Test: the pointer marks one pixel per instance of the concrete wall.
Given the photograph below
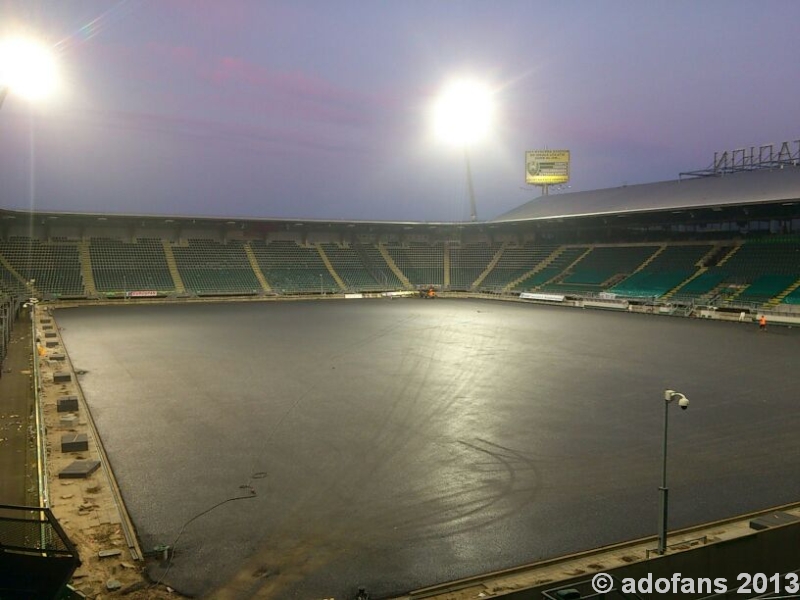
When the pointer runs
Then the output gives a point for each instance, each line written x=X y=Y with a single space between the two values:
x=770 y=551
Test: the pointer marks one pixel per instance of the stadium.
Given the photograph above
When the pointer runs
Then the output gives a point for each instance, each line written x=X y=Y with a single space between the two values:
x=267 y=408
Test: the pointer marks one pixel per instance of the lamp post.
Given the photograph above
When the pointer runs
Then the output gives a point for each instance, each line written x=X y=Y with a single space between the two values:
x=663 y=496
x=473 y=211
x=462 y=116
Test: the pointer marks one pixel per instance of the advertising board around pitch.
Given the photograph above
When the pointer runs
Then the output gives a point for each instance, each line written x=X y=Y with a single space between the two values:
x=546 y=167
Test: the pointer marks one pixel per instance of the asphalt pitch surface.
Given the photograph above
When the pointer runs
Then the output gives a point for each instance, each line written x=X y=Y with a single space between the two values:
x=396 y=444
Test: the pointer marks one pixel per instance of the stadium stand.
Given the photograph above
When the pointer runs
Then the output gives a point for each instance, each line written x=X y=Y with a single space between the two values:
x=753 y=273
x=421 y=263
x=468 y=261
x=793 y=297
x=375 y=263
x=760 y=271
x=697 y=288
x=293 y=269
x=563 y=258
x=515 y=262
x=53 y=266
x=11 y=284
x=604 y=263
x=722 y=240
x=669 y=268
x=350 y=267
x=120 y=266
x=208 y=267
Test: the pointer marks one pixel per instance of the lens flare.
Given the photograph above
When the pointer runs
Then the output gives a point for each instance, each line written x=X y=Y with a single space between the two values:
x=463 y=113
x=27 y=68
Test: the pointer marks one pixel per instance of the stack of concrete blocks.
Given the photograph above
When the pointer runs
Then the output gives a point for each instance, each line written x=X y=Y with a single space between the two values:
x=68 y=406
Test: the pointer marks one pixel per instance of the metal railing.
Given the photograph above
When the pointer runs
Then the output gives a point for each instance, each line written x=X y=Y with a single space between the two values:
x=41 y=433
x=33 y=530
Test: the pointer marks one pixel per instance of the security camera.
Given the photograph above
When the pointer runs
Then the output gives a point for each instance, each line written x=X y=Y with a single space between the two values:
x=683 y=403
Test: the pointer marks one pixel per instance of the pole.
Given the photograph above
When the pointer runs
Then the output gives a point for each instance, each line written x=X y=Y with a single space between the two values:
x=663 y=491
x=473 y=213
x=3 y=94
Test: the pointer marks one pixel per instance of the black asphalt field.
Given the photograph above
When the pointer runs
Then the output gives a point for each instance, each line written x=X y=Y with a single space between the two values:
x=409 y=442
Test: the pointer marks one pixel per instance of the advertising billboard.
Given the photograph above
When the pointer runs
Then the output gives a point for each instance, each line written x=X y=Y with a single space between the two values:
x=545 y=167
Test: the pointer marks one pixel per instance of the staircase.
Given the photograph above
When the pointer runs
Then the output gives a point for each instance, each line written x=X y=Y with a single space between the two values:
x=31 y=289
x=674 y=290
x=779 y=298
x=649 y=260
x=330 y=268
x=568 y=269
x=707 y=260
x=377 y=274
x=86 y=267
x=395 y=269
x=173 y=268
x=728 y=256
x=248 y=250
x=492 y=264
x=554 y=255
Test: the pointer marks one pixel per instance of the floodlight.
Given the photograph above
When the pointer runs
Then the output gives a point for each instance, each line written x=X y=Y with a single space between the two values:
x=463 y=112
x=27 y=68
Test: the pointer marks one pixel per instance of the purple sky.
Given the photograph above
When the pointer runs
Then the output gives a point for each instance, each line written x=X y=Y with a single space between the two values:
x=317 y=109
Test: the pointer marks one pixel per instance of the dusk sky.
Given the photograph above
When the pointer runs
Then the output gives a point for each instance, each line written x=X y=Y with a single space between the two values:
x=319 y=109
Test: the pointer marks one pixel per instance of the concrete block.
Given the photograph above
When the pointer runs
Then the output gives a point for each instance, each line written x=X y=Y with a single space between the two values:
x=79 y=469
x=75 y=442
x=68 y=421
x=67 y=404
x=772 y=520
x=62 y=377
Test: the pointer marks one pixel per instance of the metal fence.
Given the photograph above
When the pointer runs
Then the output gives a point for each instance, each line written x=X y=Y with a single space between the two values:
x=32 y=530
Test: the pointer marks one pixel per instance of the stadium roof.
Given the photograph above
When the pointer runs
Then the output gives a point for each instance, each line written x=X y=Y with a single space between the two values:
x=751 y=187
x=731 y=192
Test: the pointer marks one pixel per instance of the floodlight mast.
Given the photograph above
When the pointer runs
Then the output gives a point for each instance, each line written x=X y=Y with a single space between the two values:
x=473 y=212
x=462 y=115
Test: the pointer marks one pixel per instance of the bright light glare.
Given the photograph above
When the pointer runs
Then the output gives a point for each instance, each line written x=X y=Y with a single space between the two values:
x=463 y=113
x=27 y=68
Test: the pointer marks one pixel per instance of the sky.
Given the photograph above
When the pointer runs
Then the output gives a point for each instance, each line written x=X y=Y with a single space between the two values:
x=320 y=109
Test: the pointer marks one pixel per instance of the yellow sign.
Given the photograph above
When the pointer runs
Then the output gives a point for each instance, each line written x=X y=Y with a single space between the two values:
x=546 y=166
